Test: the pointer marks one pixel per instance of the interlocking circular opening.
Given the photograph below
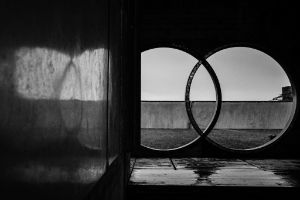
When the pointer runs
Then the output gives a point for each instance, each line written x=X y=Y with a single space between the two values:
x=258 y=106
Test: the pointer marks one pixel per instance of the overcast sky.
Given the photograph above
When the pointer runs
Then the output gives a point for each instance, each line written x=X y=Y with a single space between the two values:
x=244 y=74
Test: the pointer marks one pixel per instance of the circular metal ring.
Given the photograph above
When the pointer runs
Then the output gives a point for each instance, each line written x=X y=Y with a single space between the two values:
x=216 y=83
x=291 y=121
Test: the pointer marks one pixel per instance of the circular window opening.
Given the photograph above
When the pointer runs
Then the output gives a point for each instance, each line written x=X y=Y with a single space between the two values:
x=258 y=99
x=164 y=74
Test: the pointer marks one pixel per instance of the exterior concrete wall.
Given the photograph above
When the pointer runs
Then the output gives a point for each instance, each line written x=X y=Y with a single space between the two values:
x=163 y=115
x=234 y=115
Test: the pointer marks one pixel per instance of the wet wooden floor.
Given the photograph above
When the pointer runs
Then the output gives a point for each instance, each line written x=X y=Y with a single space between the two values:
x=188 y=173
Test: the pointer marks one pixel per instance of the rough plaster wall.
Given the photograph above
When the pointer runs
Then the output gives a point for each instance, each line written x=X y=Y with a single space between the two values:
x=53 y=105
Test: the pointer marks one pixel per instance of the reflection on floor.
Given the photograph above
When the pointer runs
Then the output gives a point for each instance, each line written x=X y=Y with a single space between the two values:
x=186 y=175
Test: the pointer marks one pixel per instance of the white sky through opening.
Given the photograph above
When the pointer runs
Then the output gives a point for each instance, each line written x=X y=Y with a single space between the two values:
x=245 y=74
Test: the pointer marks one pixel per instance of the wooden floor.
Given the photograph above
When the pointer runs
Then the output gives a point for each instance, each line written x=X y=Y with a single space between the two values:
x=206 y=175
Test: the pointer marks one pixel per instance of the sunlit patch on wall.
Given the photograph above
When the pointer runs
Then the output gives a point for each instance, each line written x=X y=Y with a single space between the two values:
x=64 y=93
x=43 y=73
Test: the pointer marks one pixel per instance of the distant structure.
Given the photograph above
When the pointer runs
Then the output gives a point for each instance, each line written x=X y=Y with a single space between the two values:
x=287 y=94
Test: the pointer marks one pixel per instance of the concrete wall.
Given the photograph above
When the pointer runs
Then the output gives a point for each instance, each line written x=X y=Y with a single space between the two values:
x=56 y=62
x=163 y=115
x=234 y=115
